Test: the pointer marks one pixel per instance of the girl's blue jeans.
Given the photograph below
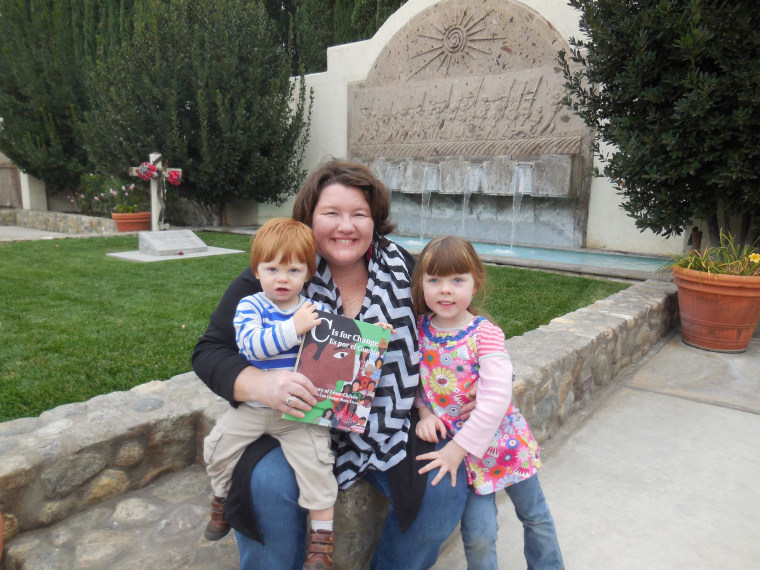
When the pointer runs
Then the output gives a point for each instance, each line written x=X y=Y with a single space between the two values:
x=480 y=528
x=282 y=521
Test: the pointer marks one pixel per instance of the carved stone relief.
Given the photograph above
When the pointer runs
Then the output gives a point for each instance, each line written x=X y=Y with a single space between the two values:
x=465 y=79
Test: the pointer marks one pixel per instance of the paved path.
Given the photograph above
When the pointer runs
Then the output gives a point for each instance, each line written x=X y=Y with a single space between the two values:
x=21 y=233
x=661 y=473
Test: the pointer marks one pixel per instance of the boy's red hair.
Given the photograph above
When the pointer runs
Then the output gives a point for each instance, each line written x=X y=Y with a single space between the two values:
x=291 y=240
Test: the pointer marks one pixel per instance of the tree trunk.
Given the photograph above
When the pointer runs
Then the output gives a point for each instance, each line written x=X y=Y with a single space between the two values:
x=714 y=230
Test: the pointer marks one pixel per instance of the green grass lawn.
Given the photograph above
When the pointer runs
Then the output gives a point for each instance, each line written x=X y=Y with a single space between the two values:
x=75 y=323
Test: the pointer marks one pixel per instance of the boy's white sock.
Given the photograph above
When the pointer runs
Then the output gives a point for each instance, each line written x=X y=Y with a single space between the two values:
x=321 y=525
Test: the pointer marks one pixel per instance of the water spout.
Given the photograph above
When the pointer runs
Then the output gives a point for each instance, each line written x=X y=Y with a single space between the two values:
x=522 y=183
x=475 y=179
x=431 y=178
x=393 y=177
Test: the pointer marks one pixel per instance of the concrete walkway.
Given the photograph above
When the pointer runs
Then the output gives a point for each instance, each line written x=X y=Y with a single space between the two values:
x=21 y=233
x=661 y=473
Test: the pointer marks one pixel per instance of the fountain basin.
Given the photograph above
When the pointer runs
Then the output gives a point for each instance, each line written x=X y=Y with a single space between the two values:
x=567 y=260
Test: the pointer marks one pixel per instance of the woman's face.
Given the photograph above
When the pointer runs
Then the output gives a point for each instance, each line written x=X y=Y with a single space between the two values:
x=342 y=224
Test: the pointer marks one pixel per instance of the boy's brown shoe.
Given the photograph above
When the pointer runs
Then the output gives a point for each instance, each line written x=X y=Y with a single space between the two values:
x=217 y=528
x=319 y=551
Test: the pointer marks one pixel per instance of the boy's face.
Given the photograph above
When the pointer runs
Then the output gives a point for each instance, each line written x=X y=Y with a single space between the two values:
x=282 y=282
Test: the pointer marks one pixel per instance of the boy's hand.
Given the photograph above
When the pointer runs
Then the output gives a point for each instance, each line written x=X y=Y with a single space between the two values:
x=305 y=318
x=429 y=426
x=447 y=459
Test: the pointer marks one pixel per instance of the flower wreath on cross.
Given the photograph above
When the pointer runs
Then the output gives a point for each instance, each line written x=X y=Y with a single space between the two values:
x=147 y=171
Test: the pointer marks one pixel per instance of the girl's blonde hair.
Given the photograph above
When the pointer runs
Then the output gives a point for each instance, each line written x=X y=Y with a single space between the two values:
x=447 y=255
x=288 y=238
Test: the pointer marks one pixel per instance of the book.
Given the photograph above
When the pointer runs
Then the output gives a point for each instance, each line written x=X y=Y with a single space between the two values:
x=343 y=358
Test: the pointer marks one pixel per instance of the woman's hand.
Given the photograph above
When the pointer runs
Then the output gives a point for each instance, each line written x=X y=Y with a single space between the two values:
x=430 y=426
x=284 y=390
x=386 y=326
x=447 y=460
x=469 y=407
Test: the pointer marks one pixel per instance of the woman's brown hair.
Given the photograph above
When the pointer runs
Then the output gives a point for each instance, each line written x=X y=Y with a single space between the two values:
x=351 y=175
x=447 y=255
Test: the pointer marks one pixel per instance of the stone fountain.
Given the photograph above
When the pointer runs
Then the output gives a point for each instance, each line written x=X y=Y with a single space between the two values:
x=461 y=117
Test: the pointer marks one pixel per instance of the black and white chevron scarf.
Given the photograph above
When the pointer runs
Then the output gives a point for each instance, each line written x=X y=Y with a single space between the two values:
x=388 y=299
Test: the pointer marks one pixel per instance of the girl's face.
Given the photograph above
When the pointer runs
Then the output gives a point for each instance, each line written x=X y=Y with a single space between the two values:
x=342 y=224
x=448 y=297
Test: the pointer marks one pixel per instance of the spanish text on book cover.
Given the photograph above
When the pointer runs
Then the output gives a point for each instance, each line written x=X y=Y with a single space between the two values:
x=343 y=358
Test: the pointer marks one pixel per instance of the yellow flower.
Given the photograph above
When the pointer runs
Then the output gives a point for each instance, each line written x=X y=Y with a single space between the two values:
x=442 y=380
x=754 y=257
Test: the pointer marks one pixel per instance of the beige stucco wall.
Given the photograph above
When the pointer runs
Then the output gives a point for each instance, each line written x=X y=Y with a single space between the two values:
x=33 y=196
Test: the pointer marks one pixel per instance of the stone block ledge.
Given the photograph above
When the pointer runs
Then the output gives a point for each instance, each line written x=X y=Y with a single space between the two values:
x=67 y=223
x=76 y=456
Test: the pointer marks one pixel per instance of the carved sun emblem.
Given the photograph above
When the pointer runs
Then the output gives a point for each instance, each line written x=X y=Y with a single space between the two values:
x=457 y=43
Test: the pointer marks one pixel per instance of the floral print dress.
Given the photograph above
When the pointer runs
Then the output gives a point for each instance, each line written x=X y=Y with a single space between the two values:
x=448 y=370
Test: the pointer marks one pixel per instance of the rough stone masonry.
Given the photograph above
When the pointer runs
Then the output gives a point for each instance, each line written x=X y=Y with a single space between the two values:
x=80 y=456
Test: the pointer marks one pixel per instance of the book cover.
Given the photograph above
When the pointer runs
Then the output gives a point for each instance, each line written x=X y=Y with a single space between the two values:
x=343 y=358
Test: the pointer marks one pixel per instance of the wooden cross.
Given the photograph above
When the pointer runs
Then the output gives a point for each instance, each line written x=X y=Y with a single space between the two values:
x=157 y=189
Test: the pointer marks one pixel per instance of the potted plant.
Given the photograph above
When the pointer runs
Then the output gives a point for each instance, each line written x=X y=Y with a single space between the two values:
x=128 y=203
x=131 y=209
x=718 y=295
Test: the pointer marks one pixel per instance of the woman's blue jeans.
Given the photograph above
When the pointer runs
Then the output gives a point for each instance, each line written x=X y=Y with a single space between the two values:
x=480 y=528
x=282 y=522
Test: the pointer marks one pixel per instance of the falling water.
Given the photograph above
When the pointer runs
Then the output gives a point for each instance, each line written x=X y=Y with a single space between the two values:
x=475 y=180
x=522 y=183
x=431 y=182
x=465 y=202
x=424 y=207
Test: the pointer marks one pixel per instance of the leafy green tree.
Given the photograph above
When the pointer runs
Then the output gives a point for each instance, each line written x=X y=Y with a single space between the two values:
x=44 y=47
x=319 y=24
x=207 y=84
x=674 y=89
x=314 y=33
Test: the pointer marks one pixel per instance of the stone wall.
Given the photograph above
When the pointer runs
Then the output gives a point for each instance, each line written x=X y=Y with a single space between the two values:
x=77 y=455
x=63 y=222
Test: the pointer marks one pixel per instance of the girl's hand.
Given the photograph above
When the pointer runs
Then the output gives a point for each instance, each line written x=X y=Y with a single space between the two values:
x=430 y=426
x=387 y=327
x=305 y=318
x=447 y=459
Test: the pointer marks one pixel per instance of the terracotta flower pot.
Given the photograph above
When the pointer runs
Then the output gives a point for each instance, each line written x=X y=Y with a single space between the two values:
x=718 y=312
x=135 y=222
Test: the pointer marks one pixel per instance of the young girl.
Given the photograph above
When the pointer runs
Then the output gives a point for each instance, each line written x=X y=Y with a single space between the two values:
x=463 y=352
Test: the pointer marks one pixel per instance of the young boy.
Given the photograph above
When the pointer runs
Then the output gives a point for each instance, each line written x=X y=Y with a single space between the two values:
x=268 y=330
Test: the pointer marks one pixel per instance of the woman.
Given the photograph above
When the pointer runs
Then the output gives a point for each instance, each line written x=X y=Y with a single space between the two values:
x=363 y=275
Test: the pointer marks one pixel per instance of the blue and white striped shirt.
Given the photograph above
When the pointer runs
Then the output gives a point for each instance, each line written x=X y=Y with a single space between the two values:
x=265 y=334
